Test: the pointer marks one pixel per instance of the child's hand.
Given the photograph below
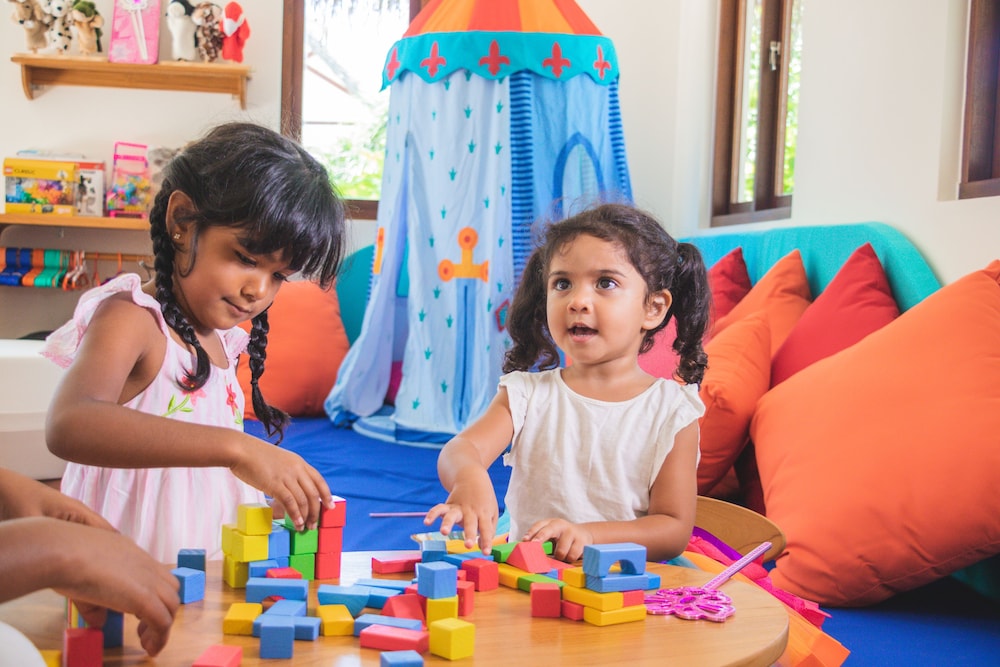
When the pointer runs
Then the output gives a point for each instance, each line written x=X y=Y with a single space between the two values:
x=22 y=497
x=475 y=509
x=295 y=485
x=569 y=538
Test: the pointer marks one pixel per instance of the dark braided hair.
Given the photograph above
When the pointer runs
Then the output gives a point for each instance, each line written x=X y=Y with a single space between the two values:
x=660 y=260
x=249 y=177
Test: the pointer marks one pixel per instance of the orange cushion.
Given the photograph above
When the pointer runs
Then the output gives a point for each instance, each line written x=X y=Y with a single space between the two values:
x=305 y=347
x=738 y=374
x=880 y=463
x=855 y=303
x=782 y=294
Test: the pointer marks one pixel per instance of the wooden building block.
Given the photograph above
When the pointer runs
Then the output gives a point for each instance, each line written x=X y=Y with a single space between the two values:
x=394 y=565
x=254 y=519
x=355 y=598
x=438 y=608
x=546 y=600
x=328 y=565
x=466 y=598
x=279 y=544
x=336 y=620
x=614 y=616
x=259 y=588
x=239 y=618
x=234 y=572
x=574 y=576
x=598 y=558
x=330 y=540
x=83 y=647
x=282 y=573
x=365 y=620
x=277 y=636
x=400 y=659
x=307 y=628
x=192 y=558
x=247 y=548
x=192 y=584
x=482 y=572
x=305 y=564
x=387 y=638
x=525 y=582
x=529 y=556
x=437 y=579
x=227 y=537
x=452 y=638
x=593 y=599
x=220 y=655
x=336 y=517
x=572 y=610
x=406 y=605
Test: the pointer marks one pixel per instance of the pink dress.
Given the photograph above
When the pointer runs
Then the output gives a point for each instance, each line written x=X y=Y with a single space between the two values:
x=163 y=509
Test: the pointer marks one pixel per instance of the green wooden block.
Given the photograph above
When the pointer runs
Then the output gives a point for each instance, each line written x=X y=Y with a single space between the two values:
x=302 y=542
x=502 y=551
x=305 y=564
x=524 y=583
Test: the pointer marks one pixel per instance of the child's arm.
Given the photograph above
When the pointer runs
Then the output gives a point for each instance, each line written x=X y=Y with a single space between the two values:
x=463 y=468
x=119 y=355
x=664 y=531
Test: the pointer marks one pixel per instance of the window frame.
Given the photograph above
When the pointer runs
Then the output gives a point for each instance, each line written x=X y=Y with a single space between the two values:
x=980 y=164
x=767 y=202
x=292 y=70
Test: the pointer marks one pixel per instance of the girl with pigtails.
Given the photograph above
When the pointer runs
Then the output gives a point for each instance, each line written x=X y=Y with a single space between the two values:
x=150 y=413
x=600 y=451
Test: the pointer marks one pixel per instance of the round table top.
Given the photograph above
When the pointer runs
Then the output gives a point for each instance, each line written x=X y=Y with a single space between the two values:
x=506 y=633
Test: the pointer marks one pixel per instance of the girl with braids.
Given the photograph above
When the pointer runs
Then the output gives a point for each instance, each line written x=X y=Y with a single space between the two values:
x=600 y=451
x=149 y=413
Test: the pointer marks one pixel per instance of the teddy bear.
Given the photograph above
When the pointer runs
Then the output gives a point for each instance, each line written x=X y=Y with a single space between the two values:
x=88 y=23
x=60 y=32
x=235 y=30
x=182 y=31
x=208 y=17
x=31 y=17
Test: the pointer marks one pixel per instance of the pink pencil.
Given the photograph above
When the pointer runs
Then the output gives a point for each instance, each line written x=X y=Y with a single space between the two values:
x=386 y=515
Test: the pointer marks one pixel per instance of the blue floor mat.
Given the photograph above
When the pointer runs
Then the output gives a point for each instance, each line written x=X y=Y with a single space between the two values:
x=373 y=476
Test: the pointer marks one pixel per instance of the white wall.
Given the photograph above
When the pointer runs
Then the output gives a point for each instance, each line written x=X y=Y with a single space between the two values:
x=879 y=127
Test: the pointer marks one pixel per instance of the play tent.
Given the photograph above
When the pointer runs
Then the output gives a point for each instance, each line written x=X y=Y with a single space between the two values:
x=501 y=112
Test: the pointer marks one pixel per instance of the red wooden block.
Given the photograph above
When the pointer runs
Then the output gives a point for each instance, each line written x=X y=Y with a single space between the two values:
x=466 y=595
x=461 y=575
x=530 y=557
x=220 y=656
x=558 y=566
x=336 y=517
x=283 y=573
x=83 y=647
x=485 y=574
x=330 y=540
x=546 y=600
x=328 y=565
x=407 y=605
x=572 y=610
x=394 y=565
x=388 y=638
x=633 y=598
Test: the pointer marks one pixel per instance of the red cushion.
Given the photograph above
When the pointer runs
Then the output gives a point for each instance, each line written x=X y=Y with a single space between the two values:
x=729 y=281
x=305 y=347
x=855 y=303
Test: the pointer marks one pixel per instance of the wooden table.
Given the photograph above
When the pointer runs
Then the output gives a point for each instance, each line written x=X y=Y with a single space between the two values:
x=506 y=633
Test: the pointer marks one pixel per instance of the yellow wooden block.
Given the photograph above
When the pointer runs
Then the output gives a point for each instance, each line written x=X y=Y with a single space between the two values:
x=441 y=608
x=614 y=616
x=234 y=572
x=227 y=537
x=452 y=638
x=254 y=519
x=593 y=599
x=52 y=657
x=248 y=548
x=335 y=620
x=509 y=574
x=574 y=576
x=240 y=617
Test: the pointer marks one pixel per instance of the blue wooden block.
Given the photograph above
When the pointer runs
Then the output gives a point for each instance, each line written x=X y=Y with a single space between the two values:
x=653 y=581
x=355 y=598
x=192 y=558
x=307 y=628
x=259 y=568
x=283 y=561
x=615 y=582
x=364 y=620
x=407 y=658
x=288 y=608
x=259 y=588
x=279 y=544
x=377 y=596
x=192 y=584
x=277 y=634
x=598 y=558
x=437 y=579
x=392 y=584
x=114 y=627
x=433 y=550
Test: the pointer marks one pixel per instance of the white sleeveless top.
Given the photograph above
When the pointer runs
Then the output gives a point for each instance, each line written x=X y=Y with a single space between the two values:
x=582 y=459
x=163 y=509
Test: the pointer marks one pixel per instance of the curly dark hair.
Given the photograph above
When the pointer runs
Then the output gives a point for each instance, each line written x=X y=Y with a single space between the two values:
x=247 y=176
x=660 y=260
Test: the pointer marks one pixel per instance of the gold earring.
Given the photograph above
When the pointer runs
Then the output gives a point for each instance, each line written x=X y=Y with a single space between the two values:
x=177 y=236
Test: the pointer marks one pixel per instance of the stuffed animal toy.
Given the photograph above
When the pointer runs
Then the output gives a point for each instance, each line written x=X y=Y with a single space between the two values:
x=182 y=29
x=60 y=32
x=235 y=30
x=31 y=17
x=208 y=17
x=88 y=23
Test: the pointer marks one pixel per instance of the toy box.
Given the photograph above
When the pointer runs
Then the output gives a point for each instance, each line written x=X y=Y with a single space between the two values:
x=89 y=199
x=135 y=32
x=130 y=191
x=39 y=186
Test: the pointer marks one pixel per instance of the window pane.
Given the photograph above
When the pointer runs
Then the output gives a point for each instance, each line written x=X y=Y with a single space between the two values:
x=343 y=111
x=749 y=106
x=791 y=125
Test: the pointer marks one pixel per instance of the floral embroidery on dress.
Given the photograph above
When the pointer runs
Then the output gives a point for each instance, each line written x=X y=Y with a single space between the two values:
x=187 y=403
x=233 y=405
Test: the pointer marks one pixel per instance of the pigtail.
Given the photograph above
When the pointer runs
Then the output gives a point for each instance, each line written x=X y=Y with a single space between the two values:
x=273 y=419
x=163 y=251
x=526 y=322
x=692 y=302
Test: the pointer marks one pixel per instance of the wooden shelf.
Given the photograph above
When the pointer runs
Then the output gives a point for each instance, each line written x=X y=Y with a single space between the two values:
x=38 y=220
x=218 y=77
